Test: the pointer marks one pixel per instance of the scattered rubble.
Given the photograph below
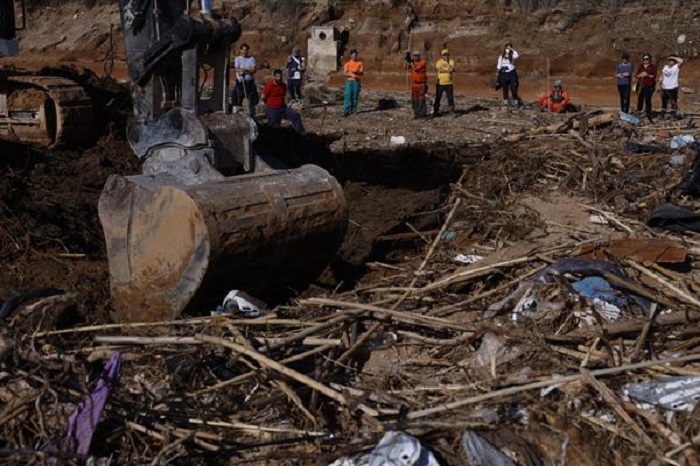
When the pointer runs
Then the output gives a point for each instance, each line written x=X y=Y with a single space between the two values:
x=415 y=347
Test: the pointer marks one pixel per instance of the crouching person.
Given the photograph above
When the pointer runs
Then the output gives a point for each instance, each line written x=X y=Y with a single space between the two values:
x=275 y=105
x=557 y=100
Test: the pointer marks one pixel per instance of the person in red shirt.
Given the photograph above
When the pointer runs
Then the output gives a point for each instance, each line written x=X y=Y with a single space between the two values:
x=646 y=83
x=276 y=108
x=419 y=84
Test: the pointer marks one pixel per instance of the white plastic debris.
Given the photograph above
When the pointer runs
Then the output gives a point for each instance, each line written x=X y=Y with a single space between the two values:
x=244 y=304
x=480 y=452
x=629 y=118
x=397 y=140
x=681 y=140
x=681 y=39
x=468 y=259
x=394 y=449
x=675 y=393
x=598 y=219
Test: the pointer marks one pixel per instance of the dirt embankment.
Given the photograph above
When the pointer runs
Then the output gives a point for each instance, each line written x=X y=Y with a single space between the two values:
x=577 y=42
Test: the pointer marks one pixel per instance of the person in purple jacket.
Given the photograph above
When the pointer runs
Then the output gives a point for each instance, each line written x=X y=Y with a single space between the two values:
x=625 y=70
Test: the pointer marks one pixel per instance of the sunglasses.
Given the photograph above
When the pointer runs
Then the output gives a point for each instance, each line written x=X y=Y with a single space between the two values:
x=647 y=59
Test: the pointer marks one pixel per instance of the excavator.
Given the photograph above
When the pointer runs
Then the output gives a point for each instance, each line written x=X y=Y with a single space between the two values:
x=44 y=111
x=207 y=214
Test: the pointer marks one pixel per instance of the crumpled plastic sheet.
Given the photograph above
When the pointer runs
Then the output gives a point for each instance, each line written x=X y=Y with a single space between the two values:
x=396 y=448
x=574 y=265
x=77 y=434
x=243 y=304
x=480 y=452
x=599 y=288
x=674 y=394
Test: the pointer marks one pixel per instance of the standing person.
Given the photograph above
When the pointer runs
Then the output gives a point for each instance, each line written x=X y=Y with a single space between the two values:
x=624 y=72
x=245 y=66
x=296 y=65
x=646 y=83
x=419 y=84
x=274 y=95
x=445 y=67
x=508 y=76
x=353 y=69
x=668 y=83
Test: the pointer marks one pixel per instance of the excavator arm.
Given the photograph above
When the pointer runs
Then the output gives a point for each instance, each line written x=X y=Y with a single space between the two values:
x=207 y=214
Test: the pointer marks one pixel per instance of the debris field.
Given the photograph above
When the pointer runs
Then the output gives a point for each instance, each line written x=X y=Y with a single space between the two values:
x=508 y=292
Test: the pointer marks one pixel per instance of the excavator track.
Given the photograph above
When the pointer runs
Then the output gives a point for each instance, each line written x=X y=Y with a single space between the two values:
x=45 y=110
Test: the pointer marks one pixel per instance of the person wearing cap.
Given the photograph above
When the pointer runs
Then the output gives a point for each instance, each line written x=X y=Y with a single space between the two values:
x=557 y=100
x=353 y=69
x=274 y=95
x=507 y=75
x=445 y=67
x=668 y=83
x=646 y=83
x=419 y=84
x=624 y=81
x=296 y=65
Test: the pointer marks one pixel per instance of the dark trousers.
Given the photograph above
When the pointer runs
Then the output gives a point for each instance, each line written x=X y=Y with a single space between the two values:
x=510 y=84
x=447 y=89
x=644 y=100
x=669 y=95
x=418 y=91
x=250 y=92
x=294 y=86
x=624 y=90
x=275 y=115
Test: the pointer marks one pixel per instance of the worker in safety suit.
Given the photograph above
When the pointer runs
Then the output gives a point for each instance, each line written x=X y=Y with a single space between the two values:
x=557 y=100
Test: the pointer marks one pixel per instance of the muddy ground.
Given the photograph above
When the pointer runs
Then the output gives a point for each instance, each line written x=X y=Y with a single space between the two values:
x=519 y=199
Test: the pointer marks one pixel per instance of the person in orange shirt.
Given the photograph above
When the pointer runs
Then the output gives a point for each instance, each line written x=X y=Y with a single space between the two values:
x=419 y=83
x=557 y=101
x=353 y=70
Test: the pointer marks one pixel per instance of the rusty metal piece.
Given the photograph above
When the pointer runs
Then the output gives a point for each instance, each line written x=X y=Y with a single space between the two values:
x=170 y=243
x=47 y=111
x=637 y=249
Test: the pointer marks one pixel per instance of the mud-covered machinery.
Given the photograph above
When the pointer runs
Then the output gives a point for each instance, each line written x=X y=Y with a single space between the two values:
x=43 y=110
x=207 y=215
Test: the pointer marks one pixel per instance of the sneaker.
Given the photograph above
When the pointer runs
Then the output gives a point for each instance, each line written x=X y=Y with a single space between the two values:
x=506 y=102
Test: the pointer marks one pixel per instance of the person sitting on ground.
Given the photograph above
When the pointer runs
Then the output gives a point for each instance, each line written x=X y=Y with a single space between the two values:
x=557 y=100
x=419 y=83
x=668 y=85
x=276 y=108
x=354 y=70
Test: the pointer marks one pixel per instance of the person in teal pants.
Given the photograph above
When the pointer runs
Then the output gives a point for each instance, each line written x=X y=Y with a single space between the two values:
x=353 y=70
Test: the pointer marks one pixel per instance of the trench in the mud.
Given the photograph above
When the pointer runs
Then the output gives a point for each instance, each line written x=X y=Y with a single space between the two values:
x=49 y=209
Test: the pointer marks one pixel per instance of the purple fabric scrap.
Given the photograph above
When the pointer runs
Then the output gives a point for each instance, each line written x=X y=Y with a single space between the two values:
x=77 y=434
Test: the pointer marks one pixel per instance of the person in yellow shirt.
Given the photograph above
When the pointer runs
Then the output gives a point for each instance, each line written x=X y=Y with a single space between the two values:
x=445 y=67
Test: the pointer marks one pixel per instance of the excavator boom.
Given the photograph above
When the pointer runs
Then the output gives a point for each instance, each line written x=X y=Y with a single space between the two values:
x=207 y=214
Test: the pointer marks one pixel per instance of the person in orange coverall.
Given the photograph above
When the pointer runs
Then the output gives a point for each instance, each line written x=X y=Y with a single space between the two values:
x=419 y=84
x=557 y=100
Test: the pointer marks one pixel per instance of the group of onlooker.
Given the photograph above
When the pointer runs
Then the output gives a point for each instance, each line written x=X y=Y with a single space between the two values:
x=274 y=95
x=645 y=84
x=644 y=81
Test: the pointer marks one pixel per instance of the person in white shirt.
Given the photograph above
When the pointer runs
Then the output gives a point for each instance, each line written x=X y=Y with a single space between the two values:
x=508 y=76
x=668 y=85
x=245 y=66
